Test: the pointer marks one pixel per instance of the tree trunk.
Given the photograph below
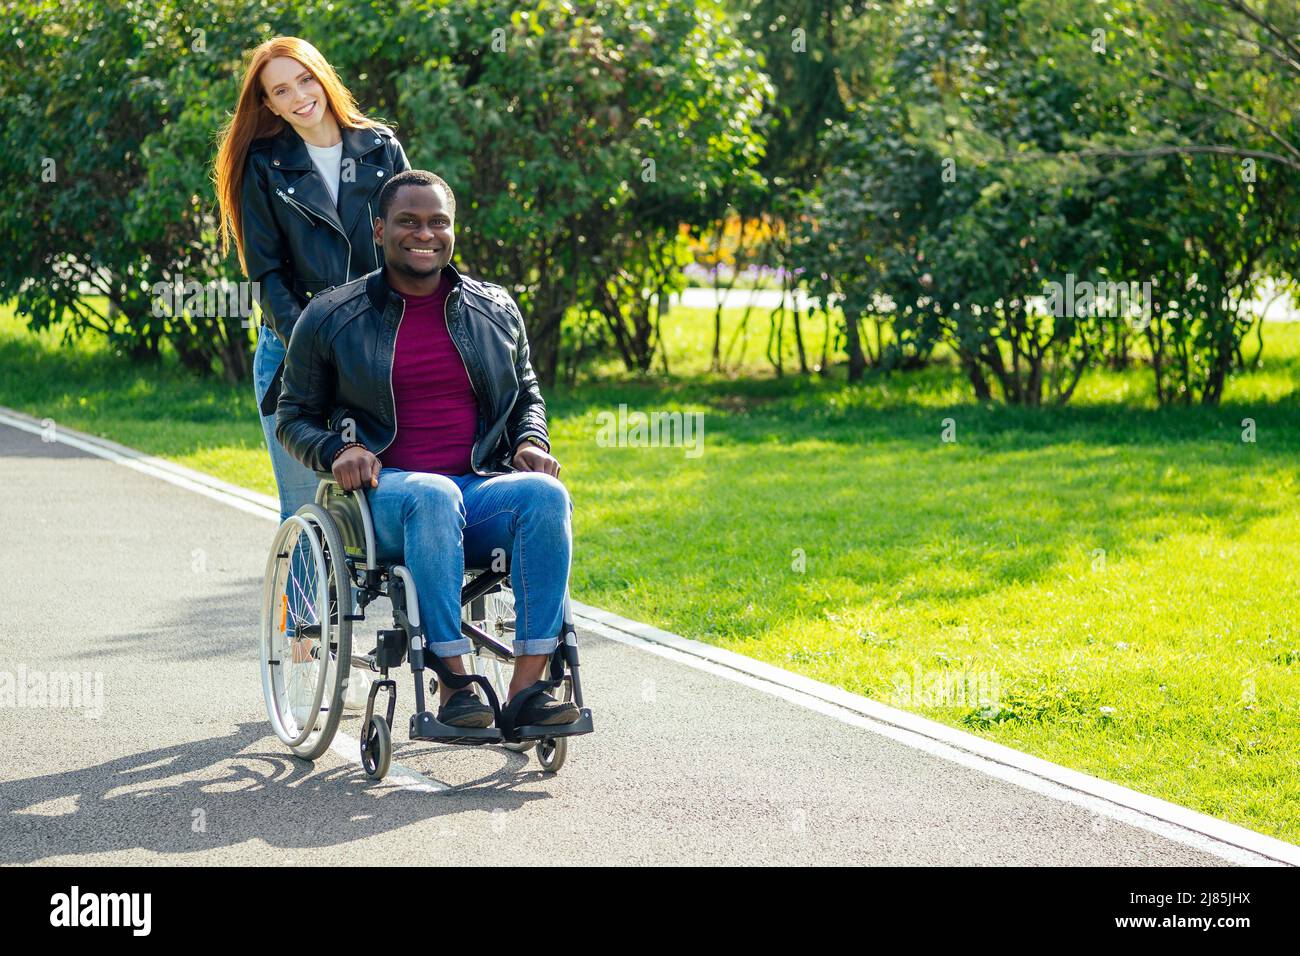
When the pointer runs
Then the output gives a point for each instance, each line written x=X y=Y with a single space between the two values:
x=857 y=361
x=976 y=376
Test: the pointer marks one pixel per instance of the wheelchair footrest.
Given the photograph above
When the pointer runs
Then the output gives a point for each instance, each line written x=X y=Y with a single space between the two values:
x=425 y=726
x=538 y=731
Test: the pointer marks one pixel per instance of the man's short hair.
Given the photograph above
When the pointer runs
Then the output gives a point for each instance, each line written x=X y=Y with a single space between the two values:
x=414 y=177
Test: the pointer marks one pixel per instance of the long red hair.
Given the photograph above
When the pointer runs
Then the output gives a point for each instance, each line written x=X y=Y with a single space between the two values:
x=251 y=120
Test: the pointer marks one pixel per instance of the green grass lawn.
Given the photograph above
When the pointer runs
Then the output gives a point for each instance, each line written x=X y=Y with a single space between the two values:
x=1109 y=586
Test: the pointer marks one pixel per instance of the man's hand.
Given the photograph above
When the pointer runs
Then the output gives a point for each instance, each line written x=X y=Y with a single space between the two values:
x=357 y=467
x=529 y=457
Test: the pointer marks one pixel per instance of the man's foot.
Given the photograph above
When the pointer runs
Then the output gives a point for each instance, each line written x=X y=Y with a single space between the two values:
x=464 y=709
x=544 y=710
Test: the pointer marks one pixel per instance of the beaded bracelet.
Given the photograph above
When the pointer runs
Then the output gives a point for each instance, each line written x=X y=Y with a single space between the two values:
x=351 y=444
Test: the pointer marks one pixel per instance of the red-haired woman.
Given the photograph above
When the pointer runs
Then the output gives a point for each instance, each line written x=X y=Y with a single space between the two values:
x=297 y=174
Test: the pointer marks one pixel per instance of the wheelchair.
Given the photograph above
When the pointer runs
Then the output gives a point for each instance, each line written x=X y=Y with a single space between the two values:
x=321 y=575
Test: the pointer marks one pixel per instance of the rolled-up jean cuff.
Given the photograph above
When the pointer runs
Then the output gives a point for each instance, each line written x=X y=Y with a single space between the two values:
x=541 y=645
x=449 y=648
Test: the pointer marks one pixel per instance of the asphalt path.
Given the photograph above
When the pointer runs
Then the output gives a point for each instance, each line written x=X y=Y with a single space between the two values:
x=150 y=593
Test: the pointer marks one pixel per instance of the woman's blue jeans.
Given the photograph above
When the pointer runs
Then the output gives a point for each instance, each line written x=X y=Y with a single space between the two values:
x=438 y=525
x=295 y=481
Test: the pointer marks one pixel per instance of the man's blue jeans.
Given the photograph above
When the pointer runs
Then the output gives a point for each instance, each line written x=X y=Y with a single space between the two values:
x=295 y=482
x=438 y=525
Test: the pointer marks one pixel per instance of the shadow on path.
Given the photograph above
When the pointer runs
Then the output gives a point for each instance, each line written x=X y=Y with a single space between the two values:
x=223 y=791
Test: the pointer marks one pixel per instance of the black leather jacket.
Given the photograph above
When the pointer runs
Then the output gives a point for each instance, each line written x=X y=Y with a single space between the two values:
x=297 y=243
x=339 y=371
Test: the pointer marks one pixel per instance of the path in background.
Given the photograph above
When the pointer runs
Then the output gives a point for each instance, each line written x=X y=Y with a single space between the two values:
x=1277 y=309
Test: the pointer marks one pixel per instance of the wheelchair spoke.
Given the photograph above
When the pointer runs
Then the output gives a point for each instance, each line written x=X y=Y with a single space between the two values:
x=305 y=605
x=306 y=631
x=301 y=673
x=297 y=634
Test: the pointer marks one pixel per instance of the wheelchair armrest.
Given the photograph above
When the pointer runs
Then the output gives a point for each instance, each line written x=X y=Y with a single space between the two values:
x=351 y=514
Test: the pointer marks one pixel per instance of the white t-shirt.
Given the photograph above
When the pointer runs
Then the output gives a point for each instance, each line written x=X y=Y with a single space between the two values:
x=328 y=161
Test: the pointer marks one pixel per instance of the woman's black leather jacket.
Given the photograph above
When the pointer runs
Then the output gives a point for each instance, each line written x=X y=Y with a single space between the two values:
x=297 y=243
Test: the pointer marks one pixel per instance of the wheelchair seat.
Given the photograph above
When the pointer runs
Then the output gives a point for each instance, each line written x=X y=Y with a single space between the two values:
x=352 y=515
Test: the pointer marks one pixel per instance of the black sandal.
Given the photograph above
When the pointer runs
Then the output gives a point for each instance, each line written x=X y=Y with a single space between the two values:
x=464 y=709
x=534 y=707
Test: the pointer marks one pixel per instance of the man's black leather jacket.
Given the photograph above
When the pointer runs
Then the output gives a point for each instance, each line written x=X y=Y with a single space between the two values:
x=338 y=373
x=297 y=242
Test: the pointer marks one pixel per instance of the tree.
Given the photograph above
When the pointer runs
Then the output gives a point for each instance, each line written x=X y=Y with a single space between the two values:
x=105 y=200
x=578 y=136
x=581 y=135
x=1043 y=117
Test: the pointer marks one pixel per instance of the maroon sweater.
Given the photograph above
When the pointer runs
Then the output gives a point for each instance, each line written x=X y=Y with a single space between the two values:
x=437 y=413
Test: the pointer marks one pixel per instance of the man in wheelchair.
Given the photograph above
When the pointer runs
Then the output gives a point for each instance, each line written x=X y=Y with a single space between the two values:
x=414 y=383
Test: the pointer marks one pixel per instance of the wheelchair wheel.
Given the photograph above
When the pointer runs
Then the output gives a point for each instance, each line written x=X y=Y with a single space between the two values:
x=499 y=621
x=499 y=613
x=376 y=748
x=551 y=751
x=307 y=595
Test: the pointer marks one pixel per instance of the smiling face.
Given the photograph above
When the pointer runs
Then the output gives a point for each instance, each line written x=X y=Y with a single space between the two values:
x=418 y=234
x=293 y=93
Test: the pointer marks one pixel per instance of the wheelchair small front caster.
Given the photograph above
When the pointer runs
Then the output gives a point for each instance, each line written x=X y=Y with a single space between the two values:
x=551 y=752
x=376 y=748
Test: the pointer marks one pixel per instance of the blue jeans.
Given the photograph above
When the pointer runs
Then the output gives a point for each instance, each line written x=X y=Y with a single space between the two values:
x=294 y=480
x=438 y=525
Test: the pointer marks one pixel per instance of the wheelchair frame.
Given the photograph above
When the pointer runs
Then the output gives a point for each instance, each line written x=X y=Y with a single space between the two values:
x=368 y=579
